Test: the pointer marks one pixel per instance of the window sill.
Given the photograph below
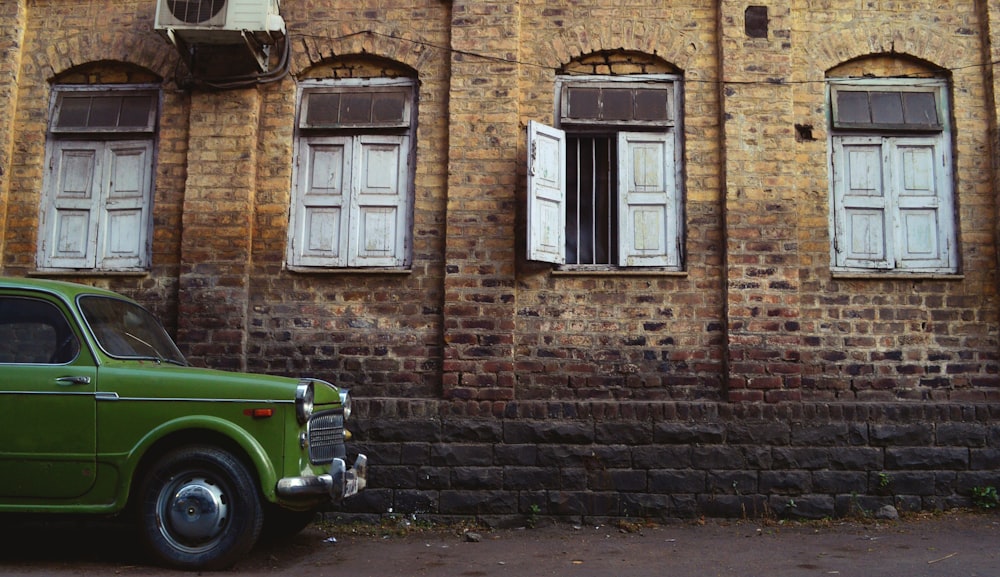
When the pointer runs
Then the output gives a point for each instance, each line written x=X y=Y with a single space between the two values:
x=349 y=271
x=619 y=272
x=80 y=272
x=855 y=275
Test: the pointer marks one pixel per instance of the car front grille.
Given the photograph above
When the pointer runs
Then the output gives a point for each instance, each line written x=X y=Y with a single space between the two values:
x=326 y=437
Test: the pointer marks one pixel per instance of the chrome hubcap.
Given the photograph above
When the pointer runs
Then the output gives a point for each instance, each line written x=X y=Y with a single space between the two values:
x=196 y=511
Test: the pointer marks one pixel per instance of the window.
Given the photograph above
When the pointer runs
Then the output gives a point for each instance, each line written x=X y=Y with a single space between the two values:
x=35 y=332
x=351 y=197
x=893 y=206
x=603 y=188
x=98 y=183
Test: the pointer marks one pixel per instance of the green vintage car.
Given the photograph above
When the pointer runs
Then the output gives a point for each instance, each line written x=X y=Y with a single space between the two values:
x=102 y=415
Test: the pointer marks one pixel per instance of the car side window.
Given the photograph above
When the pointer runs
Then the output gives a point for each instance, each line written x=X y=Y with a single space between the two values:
x=34 y=331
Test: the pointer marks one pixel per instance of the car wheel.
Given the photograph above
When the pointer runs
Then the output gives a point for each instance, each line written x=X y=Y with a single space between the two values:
x=280 y=523
x=200 y=509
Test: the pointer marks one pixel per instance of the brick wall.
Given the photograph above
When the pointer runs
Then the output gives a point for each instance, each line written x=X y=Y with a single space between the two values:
x=480 y=369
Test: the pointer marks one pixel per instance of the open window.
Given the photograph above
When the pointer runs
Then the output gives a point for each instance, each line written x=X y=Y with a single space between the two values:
x=603 y=190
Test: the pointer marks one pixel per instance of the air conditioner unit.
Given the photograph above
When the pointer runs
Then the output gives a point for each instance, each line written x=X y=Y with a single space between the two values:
x=219 y=21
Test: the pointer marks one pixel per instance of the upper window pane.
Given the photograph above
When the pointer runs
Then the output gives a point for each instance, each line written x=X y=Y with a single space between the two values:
x=886 y=109
x=103 y=112
x=356 y=108
x=618 y=103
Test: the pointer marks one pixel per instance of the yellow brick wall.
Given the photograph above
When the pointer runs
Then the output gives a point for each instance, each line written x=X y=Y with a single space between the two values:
x=756 y=315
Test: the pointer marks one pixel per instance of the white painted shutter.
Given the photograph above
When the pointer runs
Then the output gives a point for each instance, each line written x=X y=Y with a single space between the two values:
x=862 y=203
x=647 y=222
x=546 y=193
x=321 y=202
x=378 y=205
x=71 y=212
x=124 y=221
x=924 y=227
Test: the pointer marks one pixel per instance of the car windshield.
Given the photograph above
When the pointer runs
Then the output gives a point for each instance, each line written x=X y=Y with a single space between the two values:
x=126 y=330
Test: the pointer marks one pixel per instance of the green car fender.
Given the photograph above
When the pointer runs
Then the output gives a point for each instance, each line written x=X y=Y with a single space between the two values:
x=175 y=432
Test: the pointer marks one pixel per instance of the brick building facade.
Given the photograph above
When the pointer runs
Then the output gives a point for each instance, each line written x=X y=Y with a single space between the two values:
x=801 y=306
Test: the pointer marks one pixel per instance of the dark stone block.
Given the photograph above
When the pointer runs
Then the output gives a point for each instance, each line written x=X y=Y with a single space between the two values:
x=961 y=435
x=856 y=458
x=785 y=482
x=556 y=432
x=927 y=458
x=839 y=482
x=477 y=478
x=688 y=434
x=917 y=435
x=800 y=458
x=645 y=505
x=433 y=478
x=776 y=434
x=516 y=455
x=393 y=477
x=409 y=430
x=803 y=507
x=732 y=482
x=829 y=435
x=477 y=502
x=677 y=481
x=907 y=482
x=984 y=458
x=456 y=455
x=623 y=433
x=530 y=478
x=415 y=502
x=472 y=431
x=718 y=457
x=660 y=457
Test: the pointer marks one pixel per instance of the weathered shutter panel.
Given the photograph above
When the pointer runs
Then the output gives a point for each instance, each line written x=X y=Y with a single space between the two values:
x=862 y=203
x=321 y=213
x=546 y=193
x=924 y=206
x=71 y=218
x=124 y=223
x=378 y=205
x=646 y=224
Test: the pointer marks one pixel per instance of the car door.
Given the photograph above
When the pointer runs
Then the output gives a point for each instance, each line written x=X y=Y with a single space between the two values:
x=47 y=385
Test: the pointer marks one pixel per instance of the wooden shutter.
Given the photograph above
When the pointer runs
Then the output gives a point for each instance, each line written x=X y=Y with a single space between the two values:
x=862 y=203
x=546 y=193
x=924 y=228
x=378 y=205
x=647 y=223
x=123 y=223
x=71 y=214
x=322 y=203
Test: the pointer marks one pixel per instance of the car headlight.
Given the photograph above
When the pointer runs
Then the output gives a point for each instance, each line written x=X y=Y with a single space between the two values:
x=304 y=395
x=345 y=400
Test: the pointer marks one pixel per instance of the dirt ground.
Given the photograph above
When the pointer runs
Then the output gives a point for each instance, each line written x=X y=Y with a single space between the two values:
x=945 y=544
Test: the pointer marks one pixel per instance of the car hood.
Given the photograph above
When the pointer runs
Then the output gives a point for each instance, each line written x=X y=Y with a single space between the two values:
x=164 y=380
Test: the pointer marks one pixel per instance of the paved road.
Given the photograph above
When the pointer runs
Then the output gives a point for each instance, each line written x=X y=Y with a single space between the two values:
x=947 y=545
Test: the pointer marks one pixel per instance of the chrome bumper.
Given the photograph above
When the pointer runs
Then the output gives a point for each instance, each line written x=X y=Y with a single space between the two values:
x=338 y=484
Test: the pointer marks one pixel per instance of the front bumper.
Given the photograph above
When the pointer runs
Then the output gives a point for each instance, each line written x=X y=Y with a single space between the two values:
x=338 y=484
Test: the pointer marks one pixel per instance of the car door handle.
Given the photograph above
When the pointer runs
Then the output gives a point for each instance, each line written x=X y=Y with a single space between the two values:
x=73 y=380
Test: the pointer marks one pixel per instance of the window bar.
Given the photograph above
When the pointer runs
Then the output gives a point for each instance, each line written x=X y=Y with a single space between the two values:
x=577 y=212
x=593 y=202
x=611 y=185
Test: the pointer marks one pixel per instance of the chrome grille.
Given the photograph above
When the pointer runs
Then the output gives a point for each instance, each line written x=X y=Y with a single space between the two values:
x=326 y=437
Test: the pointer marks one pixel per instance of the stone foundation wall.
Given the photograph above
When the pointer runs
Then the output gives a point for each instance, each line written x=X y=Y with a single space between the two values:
x=670 y=460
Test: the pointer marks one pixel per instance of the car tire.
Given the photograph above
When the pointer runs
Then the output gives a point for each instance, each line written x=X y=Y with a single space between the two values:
x=199 y=508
